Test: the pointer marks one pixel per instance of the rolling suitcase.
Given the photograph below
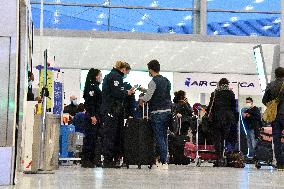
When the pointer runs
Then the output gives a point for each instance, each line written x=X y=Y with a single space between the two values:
x=264 y=149
x=139 y=142
x=176 y=147
x=66 y=133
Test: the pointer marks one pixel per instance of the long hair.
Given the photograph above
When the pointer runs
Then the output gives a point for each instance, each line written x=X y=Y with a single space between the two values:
x=179 y=95
x=91 y=77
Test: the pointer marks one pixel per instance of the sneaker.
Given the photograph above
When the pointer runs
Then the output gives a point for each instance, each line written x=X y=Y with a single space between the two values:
x=165 y=166
x=280 y=167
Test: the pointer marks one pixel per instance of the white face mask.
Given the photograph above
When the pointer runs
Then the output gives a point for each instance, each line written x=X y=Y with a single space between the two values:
x=30 y=83
x=74 y=102
x=100 y=80
x=248 y=105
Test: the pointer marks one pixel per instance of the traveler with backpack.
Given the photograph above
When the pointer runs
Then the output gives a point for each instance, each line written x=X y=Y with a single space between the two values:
x=275 y=91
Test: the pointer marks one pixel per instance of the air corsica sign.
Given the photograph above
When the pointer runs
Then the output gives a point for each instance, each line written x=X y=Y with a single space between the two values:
x=190 y=82
x=207 y=83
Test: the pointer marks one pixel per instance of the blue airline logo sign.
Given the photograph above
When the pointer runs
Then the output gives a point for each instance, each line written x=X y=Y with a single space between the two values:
x=201 y=83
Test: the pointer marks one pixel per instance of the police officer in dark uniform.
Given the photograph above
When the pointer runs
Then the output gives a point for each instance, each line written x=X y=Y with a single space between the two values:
x=114 y=94
x=93 y=100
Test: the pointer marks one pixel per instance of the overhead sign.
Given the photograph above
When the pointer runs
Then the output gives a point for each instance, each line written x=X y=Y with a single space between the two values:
x=207 y=83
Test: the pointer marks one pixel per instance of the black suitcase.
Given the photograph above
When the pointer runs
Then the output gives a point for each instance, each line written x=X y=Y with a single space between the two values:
x=139 y=146
x=263 y=154
x=176 y=146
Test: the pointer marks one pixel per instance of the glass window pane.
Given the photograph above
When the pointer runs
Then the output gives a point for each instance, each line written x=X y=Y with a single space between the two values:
x=123 y=20
x=243 y=24
x=145 y=3
x=155 y=3
x=152 y=20
x=258 y=5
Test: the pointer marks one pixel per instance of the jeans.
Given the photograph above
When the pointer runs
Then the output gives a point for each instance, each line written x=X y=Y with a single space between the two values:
x=251 y=142
x=277 y=129
x=160 y=123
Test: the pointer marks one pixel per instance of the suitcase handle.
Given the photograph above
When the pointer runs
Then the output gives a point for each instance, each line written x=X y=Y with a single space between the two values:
x=179 y=122
x=147 y=111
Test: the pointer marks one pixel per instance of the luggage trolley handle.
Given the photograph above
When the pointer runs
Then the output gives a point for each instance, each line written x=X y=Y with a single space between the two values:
x=147 y=111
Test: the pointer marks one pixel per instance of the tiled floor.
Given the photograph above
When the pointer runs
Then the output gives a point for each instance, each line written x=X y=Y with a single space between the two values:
x=177 y=177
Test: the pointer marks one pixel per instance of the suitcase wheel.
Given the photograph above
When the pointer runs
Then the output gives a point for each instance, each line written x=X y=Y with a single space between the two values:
x=139 y=166
x=257 y=165
x=127 y=166
x=150 y=166
x=198 y=162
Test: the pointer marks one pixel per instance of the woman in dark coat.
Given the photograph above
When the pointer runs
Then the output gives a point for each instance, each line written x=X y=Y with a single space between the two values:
x=223 y=110
x=93 y=100
x=183 y=110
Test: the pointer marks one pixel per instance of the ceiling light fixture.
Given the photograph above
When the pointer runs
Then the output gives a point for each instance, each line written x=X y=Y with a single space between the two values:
x=249 y=7
x=155 y=4
x=140 y=23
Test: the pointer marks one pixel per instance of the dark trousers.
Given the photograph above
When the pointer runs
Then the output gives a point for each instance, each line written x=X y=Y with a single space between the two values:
x=277 y=129
x=88 y=151
x=113 y=137
x=221 y=132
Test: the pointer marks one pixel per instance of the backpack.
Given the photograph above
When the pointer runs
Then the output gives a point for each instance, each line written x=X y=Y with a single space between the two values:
x=271 y=108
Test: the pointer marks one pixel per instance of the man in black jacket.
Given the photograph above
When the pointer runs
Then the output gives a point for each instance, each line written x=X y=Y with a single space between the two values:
x=273 y=91
x=252 y=117
x=72 y=108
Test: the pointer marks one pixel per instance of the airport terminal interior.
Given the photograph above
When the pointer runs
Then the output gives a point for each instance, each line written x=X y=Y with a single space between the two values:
x=141 y=94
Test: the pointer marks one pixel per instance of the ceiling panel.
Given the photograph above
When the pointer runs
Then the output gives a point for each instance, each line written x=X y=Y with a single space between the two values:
x=182 y=56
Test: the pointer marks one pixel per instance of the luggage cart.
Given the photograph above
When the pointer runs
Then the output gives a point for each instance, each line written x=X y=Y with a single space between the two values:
x=207 y=149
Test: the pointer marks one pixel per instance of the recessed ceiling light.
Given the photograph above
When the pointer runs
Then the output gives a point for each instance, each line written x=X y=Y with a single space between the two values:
x=266 y=27
x=181 y=24
x=189 y=17
x=259 y=1
x=56 y=13
x=234 y=19
x=145 y=17
x=226 y=25
x=101 y=16
x=249 y=7
x=140 y=23
x=99 y=22
x=106 y=3
x=154 y=4
x=277 y=21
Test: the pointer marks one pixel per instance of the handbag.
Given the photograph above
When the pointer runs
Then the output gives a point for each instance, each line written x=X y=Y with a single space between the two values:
x=271 y=107
x=235 y=159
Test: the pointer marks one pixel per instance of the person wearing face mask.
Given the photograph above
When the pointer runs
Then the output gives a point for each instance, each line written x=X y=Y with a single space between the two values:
x=72 y=108
x=114 y=95
x=252 y=118
x=30 y=95
x=91 y=152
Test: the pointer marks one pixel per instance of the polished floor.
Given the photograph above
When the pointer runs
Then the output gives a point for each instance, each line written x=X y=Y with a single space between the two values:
x=176 y=177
